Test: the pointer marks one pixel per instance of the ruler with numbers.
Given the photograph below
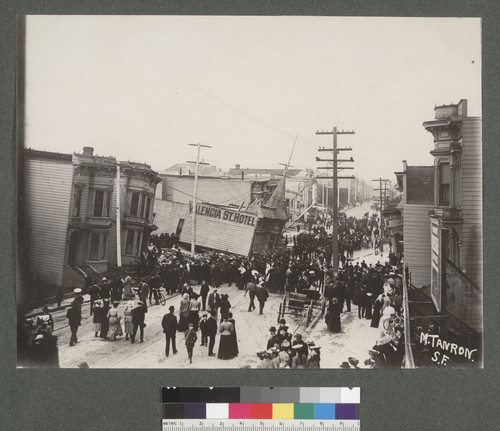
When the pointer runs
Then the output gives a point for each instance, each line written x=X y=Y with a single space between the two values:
x=259 y=425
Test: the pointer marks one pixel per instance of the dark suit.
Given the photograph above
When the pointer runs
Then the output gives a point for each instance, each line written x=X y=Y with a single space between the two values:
x=138 y=317
x=262 y=294
x=169 y=324
x=213 y=303
x=211 y=331
x=74 y=318
x=204 y=293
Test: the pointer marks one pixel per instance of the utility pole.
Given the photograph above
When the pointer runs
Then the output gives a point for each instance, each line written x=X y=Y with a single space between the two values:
x=198 y=163
x=335 y=168
x=382 y=200
x=118 y=219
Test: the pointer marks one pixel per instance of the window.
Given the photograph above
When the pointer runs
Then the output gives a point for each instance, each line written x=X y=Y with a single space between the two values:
x=77 y=198
x=140 y=212
x=97 y=249
x=98 y=203
x=102 y=203
x=147 y=208
x=129 y=245
x=133 y=242
x=444 y=172
x=134 y=203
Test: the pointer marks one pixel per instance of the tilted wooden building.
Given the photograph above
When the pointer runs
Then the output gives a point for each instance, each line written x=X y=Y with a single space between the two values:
x=237 y=230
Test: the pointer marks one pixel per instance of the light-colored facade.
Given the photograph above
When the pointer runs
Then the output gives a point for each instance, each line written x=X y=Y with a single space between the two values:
x=416 y=184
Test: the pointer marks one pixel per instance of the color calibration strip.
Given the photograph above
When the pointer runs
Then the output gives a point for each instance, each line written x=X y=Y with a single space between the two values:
x=261 y=403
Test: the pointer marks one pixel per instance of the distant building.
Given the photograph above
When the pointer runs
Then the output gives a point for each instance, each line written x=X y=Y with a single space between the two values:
x=260 y=173
x=350 y=191
x=220 y=190
x=68 y=221
x=187 y=169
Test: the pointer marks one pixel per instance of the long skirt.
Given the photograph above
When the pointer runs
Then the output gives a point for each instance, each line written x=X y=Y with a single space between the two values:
x=115 y=329
x=128 y=293
x=183 y=323
x=375 y=316
x=194 y=318
x=129 y=327
x=234 y=342
x=226 y=349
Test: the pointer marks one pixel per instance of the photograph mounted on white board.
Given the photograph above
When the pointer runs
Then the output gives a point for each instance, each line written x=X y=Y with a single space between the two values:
x=249 y=192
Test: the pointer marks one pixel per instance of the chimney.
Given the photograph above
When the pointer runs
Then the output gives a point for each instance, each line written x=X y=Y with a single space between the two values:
x=88 y=151
x=236 y=166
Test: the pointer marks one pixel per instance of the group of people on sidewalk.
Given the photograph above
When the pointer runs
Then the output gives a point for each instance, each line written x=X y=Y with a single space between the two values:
x=284 y=353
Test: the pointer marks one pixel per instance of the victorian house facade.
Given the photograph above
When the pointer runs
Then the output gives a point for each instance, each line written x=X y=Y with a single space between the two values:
x=456 y=220
x=68 y=223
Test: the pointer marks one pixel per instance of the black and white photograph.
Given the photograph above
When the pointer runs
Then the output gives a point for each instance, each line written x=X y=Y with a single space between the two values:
x=249 y=192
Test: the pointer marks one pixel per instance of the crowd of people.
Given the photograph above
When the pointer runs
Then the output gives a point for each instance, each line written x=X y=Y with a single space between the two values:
x=283 y=352
x=205 y=316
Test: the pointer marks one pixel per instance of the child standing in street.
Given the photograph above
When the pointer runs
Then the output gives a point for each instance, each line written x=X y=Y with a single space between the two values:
x=203 y=327
x=191 y=338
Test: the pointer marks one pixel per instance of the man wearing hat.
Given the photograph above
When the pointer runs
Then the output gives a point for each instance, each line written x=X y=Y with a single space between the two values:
x=262 y=294
x=78 y=299
x=273 y=339
x=138 y=317
x=169 y=325
x=203 y=328
x=211 y=330
x=74 y=318
x=94 y=292
x=214 y=302
x=105 y=288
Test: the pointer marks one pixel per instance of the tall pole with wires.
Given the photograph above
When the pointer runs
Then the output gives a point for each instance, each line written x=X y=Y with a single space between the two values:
x=335 y=168
x=118 y=219
x=193 y=213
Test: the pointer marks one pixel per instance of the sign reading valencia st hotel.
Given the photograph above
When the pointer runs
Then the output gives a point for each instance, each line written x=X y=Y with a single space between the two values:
x=223 y=214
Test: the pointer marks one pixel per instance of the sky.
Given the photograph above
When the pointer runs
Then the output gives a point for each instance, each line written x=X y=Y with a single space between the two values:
x=143 y=88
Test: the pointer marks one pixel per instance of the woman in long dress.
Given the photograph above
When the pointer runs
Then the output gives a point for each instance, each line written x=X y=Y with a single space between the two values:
x=184 y=313
x=225 y=305
x=234 y=338
x=127 y=318
x=114 y=317
x=194 y=310
x=332 y=317
x=105 y=321
x=98 y=316
x=225 y=349
x=128 y=293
